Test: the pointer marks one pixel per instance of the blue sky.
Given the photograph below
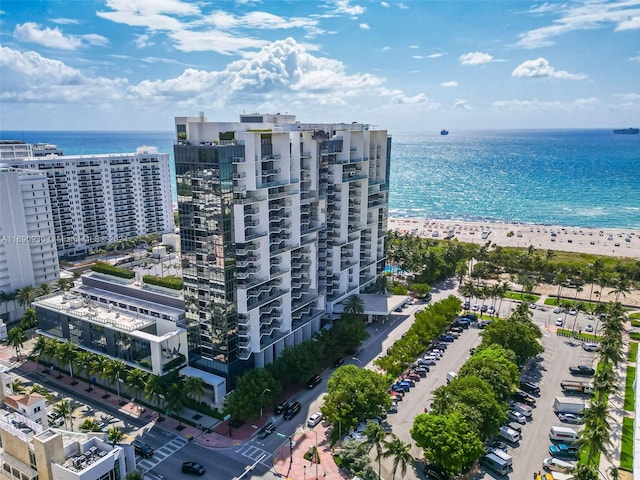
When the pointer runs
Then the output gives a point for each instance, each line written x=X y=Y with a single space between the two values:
x=404 y=66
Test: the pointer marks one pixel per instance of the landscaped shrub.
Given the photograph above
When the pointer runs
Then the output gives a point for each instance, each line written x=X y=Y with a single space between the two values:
x=108 y=269
x=170 y=281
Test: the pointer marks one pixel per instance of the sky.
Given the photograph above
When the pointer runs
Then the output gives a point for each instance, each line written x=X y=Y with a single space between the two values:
x=415 y=65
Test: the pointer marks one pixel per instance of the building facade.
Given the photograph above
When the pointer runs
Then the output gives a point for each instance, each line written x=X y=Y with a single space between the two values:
x=101 y=198
x=279 y=222
x=138 y=324
x=28 y=254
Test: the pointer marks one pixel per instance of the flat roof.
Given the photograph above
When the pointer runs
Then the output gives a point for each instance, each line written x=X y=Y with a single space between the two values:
x=206 y=377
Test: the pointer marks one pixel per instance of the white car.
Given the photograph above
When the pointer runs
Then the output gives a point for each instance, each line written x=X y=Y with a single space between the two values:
x=533 y=306
x=559 y=322
x=569 y=418
x=314 y=420
x=590 y=347
x=589 y=328
x=572 y=312
x=475 y=308
x=491 y=310
x=557 y=310
x=516 y=416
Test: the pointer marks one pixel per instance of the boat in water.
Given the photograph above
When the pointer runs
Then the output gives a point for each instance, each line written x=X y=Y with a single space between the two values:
x=444 y=132
x=627 y=131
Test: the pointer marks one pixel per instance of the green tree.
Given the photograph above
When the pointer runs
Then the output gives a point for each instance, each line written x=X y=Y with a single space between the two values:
x=115 y=435
x=154 y=388
x=98 y=368
x=254 y=390
x=90 y=425
x=585 y=472
x=83 y=361
x=475 y=400
x=175 y=398
x=64 y=284
x=595 y=437
x=65 y=354
x=400 y=452
x=354 y=305
x=354 y=394
x=515 y=334
x=17 y=387
x=134 y=476
x=194 y=388
x=495 y=365
x=447 y=440
x=136 y=382
x=114 y=371
x=38 y=348
x=44 y=289
x=26 y=295
x=16 y=339
x=374 y=440
x=29 y=319
x=65 y=408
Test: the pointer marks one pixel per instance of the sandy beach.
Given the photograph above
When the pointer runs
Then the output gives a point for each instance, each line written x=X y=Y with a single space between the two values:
x=611 y=242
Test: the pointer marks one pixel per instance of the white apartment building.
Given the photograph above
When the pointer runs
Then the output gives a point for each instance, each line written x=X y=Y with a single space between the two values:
x=101 y=198
x=28 y=253
x=279 y=221
x=31 y=452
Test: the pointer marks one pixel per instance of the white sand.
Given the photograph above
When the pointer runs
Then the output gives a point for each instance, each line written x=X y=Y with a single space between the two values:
x=610 y=242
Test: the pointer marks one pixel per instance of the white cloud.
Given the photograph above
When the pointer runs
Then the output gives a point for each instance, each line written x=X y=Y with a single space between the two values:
x=591 y=15
x=384 y=4
x=635 y=59
x=628 y=96
x=452 y=83
x=418 y=57
x=386 y=48
x=365 y=26
x=414 y=46
x=402 y=6
x=475 y=58
x=143 y=40
x=435 y=55
x=460 y=104
x=49 y=37
x=65 y=21
x=345 y=7
x=536 y=105
x=540 y=67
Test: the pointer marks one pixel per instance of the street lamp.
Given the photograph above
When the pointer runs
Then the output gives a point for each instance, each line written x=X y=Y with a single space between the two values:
x=262 y=399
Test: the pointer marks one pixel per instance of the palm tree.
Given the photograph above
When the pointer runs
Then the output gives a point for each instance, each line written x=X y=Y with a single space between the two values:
x=16 y=338
x=65 y=409
x=66 y=354
x=375 y=437
x=595 y=437
x=17 y=387
x=38 y=348
x=400 y=452
x=354 y=305
x=90 y=425
x=29 y=319
x=115 y=370
x=155 y=388
x=26 y=295
x=194 y=388
x=175 y=398
x=115 y=435
x=136 y=381
x=559 y=279
x=83 y=361
x=98 y=368
x=44 y=289
x=39 y=389
x=468 y=291
x=50 y=348
x=64 y=284
x=134 y=476
x=605 y=382
x=585 y=472
x=622 y=286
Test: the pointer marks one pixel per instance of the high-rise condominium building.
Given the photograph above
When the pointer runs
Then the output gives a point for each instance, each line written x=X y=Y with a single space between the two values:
x=27 y=236
x=279 y=222
x=99 y=199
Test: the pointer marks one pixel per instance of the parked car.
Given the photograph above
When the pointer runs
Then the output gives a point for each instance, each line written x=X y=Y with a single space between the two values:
x=475 y=308
x=524 y=397
x=590 y=347
x=281 y=407
x=292 y=411
x=559 y=322
x=484 y=308
x=433 y=472
x=516 y=416
x=533 y=306
x=570 y=418
x=267 y=430
x=446 y=338
x=573 y=312
x=530 y=387
x=557 y=310
x=339 y=361
x=582 y=370
x=314 y=420
x=563 y=450
x=142 y=449
x=588 y=328
x=193 y=467
x=492 y=310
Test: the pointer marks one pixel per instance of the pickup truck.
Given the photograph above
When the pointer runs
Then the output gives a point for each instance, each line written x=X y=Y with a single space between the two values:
x=563 y=450
x=574 y=386
x=582 y=370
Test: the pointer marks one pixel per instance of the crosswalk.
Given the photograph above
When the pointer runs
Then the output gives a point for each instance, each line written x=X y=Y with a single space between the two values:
x=163 y=452
x=253 y=452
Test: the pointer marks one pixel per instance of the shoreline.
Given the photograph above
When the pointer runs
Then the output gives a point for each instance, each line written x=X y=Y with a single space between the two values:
x=612 y=242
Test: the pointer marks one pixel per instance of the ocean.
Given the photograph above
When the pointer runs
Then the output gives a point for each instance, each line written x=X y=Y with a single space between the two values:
x=582 y=178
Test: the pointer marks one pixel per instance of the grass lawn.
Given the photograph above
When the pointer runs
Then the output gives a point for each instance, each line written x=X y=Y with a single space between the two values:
x=629 y=393
x=564 y=302
x=633 y=352
x=584 y=337
x=520 y=296
x=634 y=315
x=635 y=323
x=634 y=335
x=626 y=453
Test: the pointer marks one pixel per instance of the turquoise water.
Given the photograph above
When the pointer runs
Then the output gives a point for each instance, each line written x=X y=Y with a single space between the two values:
x=586 y=178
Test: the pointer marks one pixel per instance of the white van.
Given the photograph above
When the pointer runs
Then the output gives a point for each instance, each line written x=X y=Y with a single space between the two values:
x=503 y=455
x=553 y=464
x=525 y=410
x=509 y=434
x=563 y=434
x=451 y=376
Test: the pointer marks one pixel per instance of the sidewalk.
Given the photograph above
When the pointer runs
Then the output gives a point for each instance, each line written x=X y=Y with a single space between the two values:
x=291 y=464
x=214 y=428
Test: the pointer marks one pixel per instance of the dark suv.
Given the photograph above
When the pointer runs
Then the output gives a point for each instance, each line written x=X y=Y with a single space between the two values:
x=281 y=407
x=142 y=449
x=529 y=387
x=313 y=381
x=292 y=411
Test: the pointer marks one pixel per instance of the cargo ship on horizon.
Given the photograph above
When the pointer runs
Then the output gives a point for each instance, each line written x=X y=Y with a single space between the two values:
x=627 y=131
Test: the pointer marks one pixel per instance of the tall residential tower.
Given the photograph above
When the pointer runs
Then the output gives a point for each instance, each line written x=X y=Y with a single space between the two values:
x=279 y=221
